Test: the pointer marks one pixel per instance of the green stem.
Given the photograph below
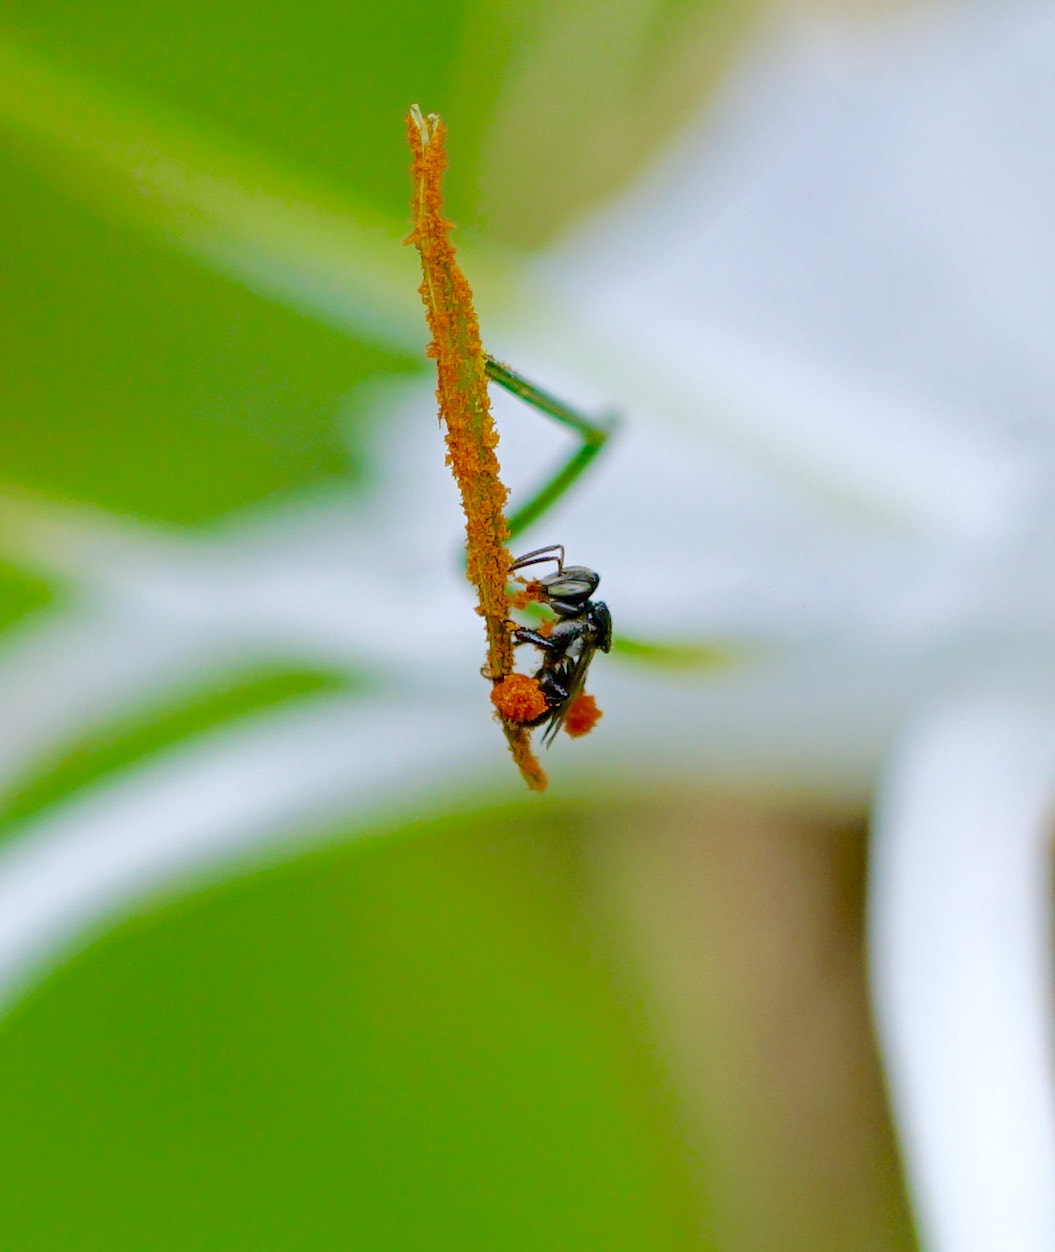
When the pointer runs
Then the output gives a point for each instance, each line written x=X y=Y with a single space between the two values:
x=593 y=432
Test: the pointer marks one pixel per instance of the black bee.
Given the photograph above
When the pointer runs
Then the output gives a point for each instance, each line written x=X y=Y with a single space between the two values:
x=583 y=626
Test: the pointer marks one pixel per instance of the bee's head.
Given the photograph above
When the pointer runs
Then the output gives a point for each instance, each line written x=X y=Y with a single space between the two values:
x=567 y=591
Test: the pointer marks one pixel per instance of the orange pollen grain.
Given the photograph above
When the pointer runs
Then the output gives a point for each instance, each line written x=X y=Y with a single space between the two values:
x=518 y=698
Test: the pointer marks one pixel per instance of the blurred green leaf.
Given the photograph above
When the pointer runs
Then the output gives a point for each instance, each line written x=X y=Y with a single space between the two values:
x=138 y=380
x=180 y=394
x=408 y=1043
x=236 y=208
x=320 y=87
x=678 y=655
x=21 y=594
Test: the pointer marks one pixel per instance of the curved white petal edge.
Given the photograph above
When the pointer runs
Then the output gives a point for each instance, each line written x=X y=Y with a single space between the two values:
x=193 y=812
x=962 y=972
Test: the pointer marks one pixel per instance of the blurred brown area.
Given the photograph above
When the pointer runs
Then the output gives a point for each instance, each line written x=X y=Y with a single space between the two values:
x=586 y=99
x=737 y=924
x=588 y=95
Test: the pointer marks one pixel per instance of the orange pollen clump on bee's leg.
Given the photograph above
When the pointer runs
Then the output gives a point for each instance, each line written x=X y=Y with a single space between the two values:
x=582 y=716
x=519 y=698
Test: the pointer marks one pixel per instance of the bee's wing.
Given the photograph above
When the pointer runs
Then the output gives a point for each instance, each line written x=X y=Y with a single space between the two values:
x=575 y=686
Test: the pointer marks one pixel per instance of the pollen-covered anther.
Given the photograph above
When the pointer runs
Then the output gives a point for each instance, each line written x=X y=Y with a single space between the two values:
x=582 y=715
x=518 y=698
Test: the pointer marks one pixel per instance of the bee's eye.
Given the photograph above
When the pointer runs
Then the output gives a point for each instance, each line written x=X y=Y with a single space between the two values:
x=572 y=583
x=569 y=588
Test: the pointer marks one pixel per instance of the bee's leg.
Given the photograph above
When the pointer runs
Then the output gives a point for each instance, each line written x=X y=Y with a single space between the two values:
x=555 y=644
x=594 y=433
x=523 y=635
x=551 y=687
x=553 y=552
